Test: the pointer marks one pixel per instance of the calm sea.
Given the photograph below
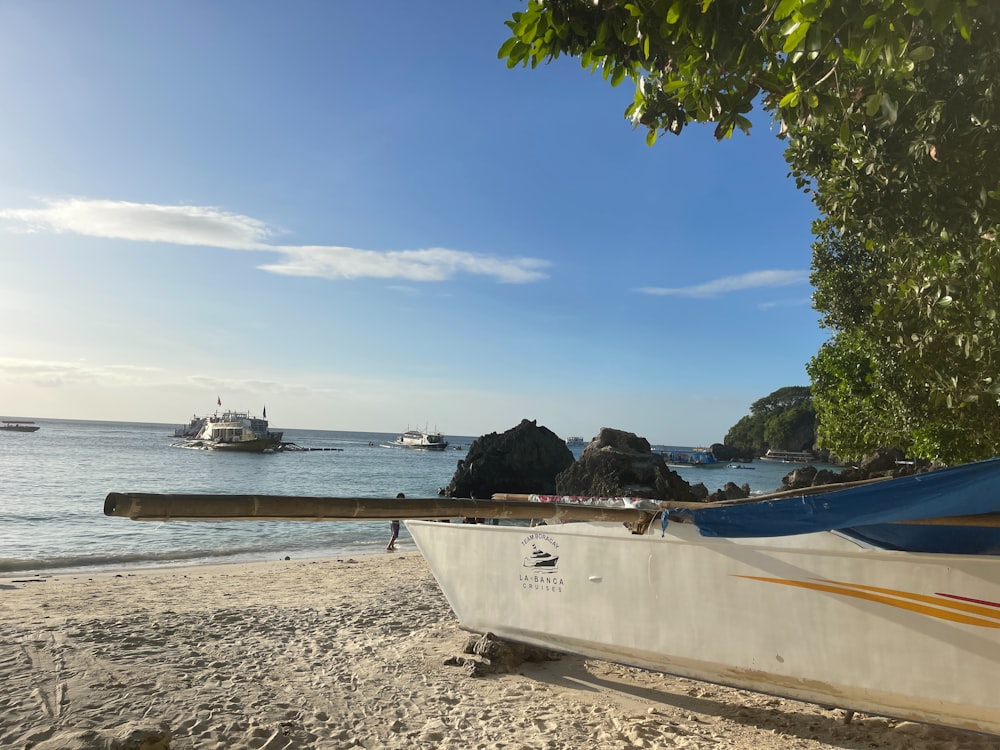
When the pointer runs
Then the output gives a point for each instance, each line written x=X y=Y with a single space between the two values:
x=54 y=482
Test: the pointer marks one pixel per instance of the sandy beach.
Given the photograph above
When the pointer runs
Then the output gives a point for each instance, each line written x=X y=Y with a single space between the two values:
x=347 y=653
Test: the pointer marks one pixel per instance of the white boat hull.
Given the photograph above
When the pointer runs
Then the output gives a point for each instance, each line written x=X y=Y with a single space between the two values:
x=815 y=617
x=420 y=440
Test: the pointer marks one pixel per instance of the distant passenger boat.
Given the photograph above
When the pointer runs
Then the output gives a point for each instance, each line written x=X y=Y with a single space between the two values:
x=18 y=426
x=701 y=457
x=230 y=431
x=789 y=457
x=422 y=440
x=575 y=441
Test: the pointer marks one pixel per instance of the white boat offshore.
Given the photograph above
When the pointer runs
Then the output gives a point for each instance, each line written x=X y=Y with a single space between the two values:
x=422 y=440
x=881 y=597
x=9 y=425
x=789 y=457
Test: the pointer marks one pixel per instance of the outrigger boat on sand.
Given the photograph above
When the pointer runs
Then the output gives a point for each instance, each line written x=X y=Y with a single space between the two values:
x=878 y=597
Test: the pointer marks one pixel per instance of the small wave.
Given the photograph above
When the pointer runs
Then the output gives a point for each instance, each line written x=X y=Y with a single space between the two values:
x=10 y=565
x=96 y=562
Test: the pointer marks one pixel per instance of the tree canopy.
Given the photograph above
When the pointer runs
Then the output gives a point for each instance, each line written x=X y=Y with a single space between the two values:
x=891 y=115
x=784 y=420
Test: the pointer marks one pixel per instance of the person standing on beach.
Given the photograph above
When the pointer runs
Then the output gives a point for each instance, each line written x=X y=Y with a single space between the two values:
x=394 y=529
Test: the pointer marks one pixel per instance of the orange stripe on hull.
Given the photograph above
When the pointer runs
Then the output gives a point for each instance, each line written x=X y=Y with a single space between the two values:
x=898 y=599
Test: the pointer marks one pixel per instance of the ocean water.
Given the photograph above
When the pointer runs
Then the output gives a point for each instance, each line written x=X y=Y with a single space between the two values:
x=54 y=482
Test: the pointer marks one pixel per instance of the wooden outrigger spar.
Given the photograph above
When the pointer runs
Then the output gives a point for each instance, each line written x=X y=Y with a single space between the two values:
x=141 y=506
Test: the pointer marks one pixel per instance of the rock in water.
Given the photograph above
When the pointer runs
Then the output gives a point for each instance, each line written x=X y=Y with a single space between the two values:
x=621 y=464
x=524 y=459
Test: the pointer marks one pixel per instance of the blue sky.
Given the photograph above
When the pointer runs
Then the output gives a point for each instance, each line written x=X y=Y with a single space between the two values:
x=356 y=215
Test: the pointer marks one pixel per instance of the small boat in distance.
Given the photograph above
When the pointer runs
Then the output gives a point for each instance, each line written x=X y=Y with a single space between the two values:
x=789 y=457
x=421 y=440
x=230 y=431
x=575 y=441
x=11 y=425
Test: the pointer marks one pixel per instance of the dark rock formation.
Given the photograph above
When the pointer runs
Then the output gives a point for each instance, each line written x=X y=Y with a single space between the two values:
x=498 y=656
x=727 y=453
x=621 y=464
x=884 y=462
x=524 y=459
x=699 y=491
x=731 y=491
x=881 y=461
x=799 y=478
x=129 y=736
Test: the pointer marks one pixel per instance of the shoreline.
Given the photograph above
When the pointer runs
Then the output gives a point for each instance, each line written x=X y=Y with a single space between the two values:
x=349 y=651
x=360 y=548
x=151 y=566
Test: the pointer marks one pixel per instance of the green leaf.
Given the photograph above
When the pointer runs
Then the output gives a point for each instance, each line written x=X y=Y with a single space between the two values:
x=786 y=8
x=920 y=54
x=796 y=36
x=650 y=137
x=890 y=109
x=674 y=12
x=791 y=99
x=506 y=47
x=845 y=130
x=872 y=104
x=962 y=21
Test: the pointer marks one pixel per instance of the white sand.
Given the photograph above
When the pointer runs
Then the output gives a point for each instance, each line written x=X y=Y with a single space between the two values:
x=346 y=653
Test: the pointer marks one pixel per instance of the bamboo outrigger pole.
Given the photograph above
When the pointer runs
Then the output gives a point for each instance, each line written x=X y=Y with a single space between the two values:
x=140 y=506
x=984 y=520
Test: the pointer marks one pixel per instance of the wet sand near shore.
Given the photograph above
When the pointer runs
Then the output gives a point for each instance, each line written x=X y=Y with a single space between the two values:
x=346 y=652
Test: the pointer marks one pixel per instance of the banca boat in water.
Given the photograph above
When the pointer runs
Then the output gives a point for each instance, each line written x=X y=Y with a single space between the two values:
x=793 y=595
x=422 y=440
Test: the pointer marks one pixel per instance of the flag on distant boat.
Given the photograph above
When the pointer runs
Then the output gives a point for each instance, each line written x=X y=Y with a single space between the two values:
x=265 y=412
x=218 y=400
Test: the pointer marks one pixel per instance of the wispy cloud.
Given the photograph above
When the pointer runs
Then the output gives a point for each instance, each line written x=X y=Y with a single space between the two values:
x=143 y=222
x=726 y=284
x=209 y=226
x=56 y=373
x=433 y=264
x=75 y=373
x=796 y=302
